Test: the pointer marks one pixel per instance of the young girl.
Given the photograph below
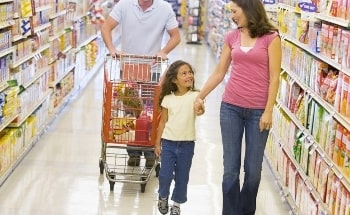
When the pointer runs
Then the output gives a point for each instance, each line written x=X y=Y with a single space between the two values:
x=176 y=134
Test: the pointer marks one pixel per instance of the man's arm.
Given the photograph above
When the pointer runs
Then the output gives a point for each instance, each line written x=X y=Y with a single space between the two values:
x=174 y=40
x=106 y=32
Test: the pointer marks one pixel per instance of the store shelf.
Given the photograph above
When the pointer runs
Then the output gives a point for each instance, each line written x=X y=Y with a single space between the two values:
x=16 y=38
x=42 y=55
x=42 y=27
x=62 y=105
x=194 y=21
x=42 y=8
x=311 y=189
x=328 y=107
x=313 y=53
x=7 y=121
x=81 y=16
x=58 y=34
x=67 y=49
x=285 y=194
x=7 y=51
x=5 y=1
x=32 y=109
x=3 y=86
x=287 y=7
x=36 y=76
x=59 y=79
x=61 y=13
x=330 y=19
x=53 y=59
x=325 y=157
x=91 y=73
x=25 y=151
x=5 y=24
x=271 y=7
x=21 y=61
x=13 y=166
x=87 y=41
x=335 y=20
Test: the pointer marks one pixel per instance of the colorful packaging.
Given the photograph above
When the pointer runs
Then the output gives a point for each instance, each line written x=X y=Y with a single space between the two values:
x=344 y=94
x=324 y=129
x=312 y=164
x=338 y=92
x=346 y=142
x=322 y=180
x=337 y=144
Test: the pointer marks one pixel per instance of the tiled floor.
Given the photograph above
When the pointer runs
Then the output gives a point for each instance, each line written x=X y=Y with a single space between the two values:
x=60 y=176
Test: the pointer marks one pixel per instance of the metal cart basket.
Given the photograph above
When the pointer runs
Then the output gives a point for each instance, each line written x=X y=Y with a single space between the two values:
x=130 y=116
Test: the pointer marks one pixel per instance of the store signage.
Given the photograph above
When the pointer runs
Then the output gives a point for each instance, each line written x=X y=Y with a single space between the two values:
x=269 y=1
x=307 y=6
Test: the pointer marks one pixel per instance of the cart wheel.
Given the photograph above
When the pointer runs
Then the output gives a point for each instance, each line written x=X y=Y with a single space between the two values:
x=157 y=169
x=101 y=166
x=111 y=183
x=143 y=186
x=111 y=186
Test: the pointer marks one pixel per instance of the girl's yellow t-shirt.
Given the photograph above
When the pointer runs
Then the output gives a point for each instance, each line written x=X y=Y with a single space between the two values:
x=181 y=117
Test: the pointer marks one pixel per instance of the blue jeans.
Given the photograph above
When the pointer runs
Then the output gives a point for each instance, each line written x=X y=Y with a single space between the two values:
x=176 y=161
x=234 y=122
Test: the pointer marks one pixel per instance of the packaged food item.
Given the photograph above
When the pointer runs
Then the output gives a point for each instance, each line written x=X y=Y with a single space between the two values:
x=143 y=129
x=344 y=94
x=337 y=143
x=332 y=88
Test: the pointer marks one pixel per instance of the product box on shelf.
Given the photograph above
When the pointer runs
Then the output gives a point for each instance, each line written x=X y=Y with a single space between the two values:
x=292 y=175
x=344 y=94
x=322 y=180
x=312 y=164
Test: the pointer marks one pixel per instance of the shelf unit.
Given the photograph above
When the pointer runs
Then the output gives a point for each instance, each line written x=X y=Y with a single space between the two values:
x=308 y=146
x=304 y=167
x=218 y=23
x=49 y=50
x=194 y=21
x=176 y=5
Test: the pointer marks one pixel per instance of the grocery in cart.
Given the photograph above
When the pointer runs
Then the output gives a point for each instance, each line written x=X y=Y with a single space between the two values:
x=130 y=114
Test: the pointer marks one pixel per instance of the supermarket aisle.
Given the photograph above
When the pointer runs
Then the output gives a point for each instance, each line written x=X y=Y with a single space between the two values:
x=60 y=176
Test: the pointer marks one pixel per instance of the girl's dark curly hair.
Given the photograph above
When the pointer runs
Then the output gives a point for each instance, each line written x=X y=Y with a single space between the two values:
x=258 y=22
x=167 y=86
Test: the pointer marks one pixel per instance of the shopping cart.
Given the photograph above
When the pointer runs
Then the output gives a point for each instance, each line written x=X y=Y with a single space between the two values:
x=130 y=116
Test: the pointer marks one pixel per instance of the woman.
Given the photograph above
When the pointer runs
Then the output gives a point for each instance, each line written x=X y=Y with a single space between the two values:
x=254 y=52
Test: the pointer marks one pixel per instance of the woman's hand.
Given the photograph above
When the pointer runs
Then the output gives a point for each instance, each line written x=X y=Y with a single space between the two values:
x=199 y=107
x=265 y=121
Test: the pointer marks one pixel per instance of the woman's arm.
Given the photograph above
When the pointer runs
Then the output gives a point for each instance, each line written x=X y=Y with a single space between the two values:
x=215 y=78
x=275 y=56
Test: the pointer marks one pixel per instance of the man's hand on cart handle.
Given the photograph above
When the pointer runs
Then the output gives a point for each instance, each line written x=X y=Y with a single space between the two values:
x=162 y=55
x=115 y=53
